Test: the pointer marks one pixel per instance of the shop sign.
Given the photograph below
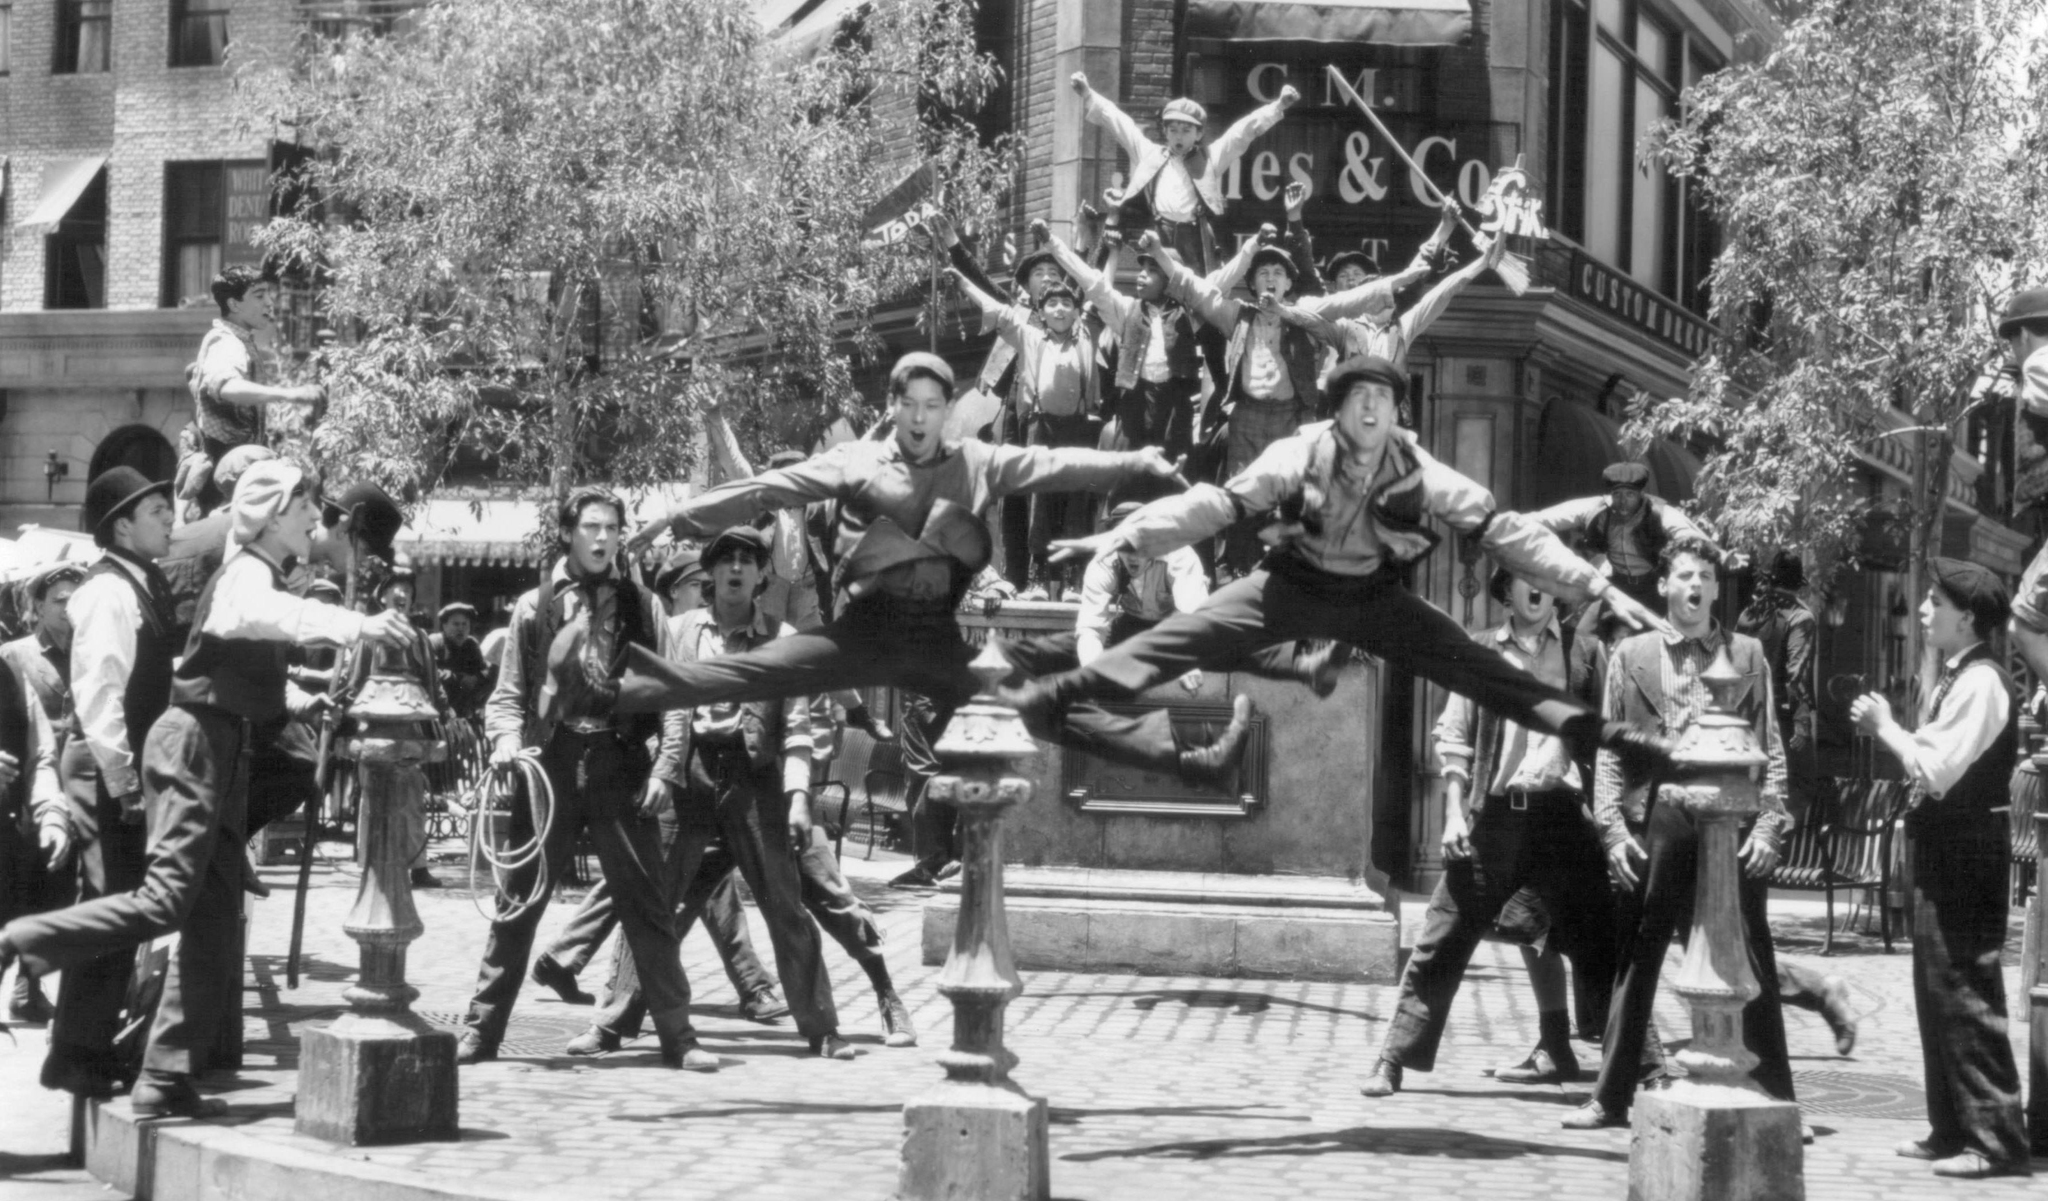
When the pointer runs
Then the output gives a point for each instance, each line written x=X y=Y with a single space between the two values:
x=1617 y=295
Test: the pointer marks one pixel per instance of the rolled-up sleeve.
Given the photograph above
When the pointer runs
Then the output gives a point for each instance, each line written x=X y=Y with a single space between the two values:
x=1453 y=734
x=1190 y=584
x=1098 y=595
x=1607 y=815
x=47 y=801
x=797 y=741
x=505 y=711
x=1775 y=822
x=248 y=606
x=105 y=618
x=1971 y=719
x=224 y=359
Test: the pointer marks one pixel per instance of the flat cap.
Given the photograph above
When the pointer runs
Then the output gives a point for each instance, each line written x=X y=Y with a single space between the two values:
x=1116 y=515
x=1184 y=109
x=739 y=537
x=1974 y=588
x=682 y=564
x=1629 y=474
x=1275 y=255
x=455 y=608
x=916 y=363
x=1364 y=367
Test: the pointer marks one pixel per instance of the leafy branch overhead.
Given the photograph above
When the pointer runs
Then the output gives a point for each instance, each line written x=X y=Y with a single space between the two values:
x=549 y=230
x=1876 y=176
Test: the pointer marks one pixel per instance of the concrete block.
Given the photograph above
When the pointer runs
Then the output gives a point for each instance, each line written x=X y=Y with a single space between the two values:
x=1162 y=941
x=1697 y=1142
x=979 y=1141
x=366 y=1080
x=1353 y=946
x=1046 y=935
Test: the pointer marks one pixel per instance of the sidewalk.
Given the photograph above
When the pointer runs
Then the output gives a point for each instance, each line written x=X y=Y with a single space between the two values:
x=1158 y=1087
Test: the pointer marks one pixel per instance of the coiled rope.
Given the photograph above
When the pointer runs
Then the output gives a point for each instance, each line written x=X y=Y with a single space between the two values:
x=497 y=791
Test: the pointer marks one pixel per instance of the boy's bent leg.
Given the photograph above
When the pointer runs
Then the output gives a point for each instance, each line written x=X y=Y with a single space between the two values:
x=1231 y=623
x=1450 y=932
x=725 y=921
x=586 y=930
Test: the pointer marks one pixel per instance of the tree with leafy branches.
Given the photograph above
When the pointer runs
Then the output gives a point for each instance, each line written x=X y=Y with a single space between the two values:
x=1876 y=174
x=549 y=231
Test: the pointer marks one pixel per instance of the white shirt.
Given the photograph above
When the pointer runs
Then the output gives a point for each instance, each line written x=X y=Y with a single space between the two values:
x=1155 y=368
x=1265 y=371
x=2034 y=382
x=249 y=606
x=1173 y=197
x=105 y=617
x=1972 y=716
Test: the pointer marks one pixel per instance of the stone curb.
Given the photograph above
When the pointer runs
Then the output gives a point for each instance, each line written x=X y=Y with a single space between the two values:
x=184 y=1160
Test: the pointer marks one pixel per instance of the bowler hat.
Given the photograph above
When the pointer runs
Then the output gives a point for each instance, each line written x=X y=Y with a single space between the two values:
x=377 y=516
x=740 y=537
x=1629 y=474
x=2030 y=305
x=113 y=493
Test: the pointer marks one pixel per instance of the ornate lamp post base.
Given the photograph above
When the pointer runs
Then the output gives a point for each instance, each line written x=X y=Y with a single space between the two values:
x=976 y=1136
x=1714 y=1142
x=380 y=1073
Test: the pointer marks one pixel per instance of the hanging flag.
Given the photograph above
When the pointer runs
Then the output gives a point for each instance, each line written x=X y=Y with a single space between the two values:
x=890 y=219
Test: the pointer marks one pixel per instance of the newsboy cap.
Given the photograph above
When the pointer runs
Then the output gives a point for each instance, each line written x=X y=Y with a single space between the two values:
x=1629 y=474
x=1973 y=588
x=916 y=363
x=1184 y=109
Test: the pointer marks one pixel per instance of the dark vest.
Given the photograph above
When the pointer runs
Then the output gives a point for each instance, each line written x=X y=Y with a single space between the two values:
x=1299 y=352
x=635 y=609
x=1975 y=805
x=1654 y=535
x=241 y=676
x=149 y=684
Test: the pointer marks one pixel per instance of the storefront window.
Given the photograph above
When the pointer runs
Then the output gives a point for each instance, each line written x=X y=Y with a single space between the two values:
x=1617 y=70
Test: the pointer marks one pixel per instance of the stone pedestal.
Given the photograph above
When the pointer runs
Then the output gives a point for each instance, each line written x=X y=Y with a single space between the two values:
x=977 y=1136
x=380 y=1074
x=1704 y=1142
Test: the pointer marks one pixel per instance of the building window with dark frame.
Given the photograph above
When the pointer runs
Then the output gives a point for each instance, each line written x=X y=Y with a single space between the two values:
x=211 y=212
x=1617 y=68
x=84 y=40
x=199 y=33
x=75 y=253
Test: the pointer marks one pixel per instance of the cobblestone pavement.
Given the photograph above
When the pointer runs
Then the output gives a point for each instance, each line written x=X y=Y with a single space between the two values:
x=1158 y=1087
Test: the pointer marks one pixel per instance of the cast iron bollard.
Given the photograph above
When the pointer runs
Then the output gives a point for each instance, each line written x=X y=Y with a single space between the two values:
x=380 y=1073
x=1715 y=1136
x=977 y=1134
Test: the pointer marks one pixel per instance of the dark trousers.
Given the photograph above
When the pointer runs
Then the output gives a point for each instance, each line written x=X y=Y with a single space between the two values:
x=833 y=904
x=597 y=917
x=735 y=819
x=1664 y=906
x=597 y=779
x=110 y=857
x=1959 y=923
x=1548 y=847
x=1060 y=514
x=913 y=645
x=282 y=773
x=932 y=822
x=194 y=776
x=1286 y=600
x=1046 y=654
x=1150 y=413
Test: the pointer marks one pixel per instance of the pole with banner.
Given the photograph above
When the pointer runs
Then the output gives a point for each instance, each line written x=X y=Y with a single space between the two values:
x=1512 y=269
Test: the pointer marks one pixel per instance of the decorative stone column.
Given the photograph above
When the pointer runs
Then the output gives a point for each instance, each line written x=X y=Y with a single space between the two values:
x=1715 y=1135
x=380 y=1073
x=977 y=1134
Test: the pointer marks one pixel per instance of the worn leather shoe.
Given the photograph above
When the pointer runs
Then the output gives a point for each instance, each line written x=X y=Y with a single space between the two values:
x=688 y=1057
x=1541 y=1067
x=1975 y=1165
x=1317 y=667
x=1640 y=751
x=831 y=1046
x=1213 y=764
x=82 y=1074
x=765 y=1007
x=863 y=718
x=173 y=1098
x=549 y=974
x=1385 y=1080
x=595 y=1041
x=898 y=1032
x=1593 y=1116
x=473 y=1047
x=1834 y=1010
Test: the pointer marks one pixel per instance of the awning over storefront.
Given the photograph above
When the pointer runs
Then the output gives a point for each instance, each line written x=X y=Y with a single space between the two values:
x=1576 y=442
x=1381 y=22
x=812 y=33
x=64 y=181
